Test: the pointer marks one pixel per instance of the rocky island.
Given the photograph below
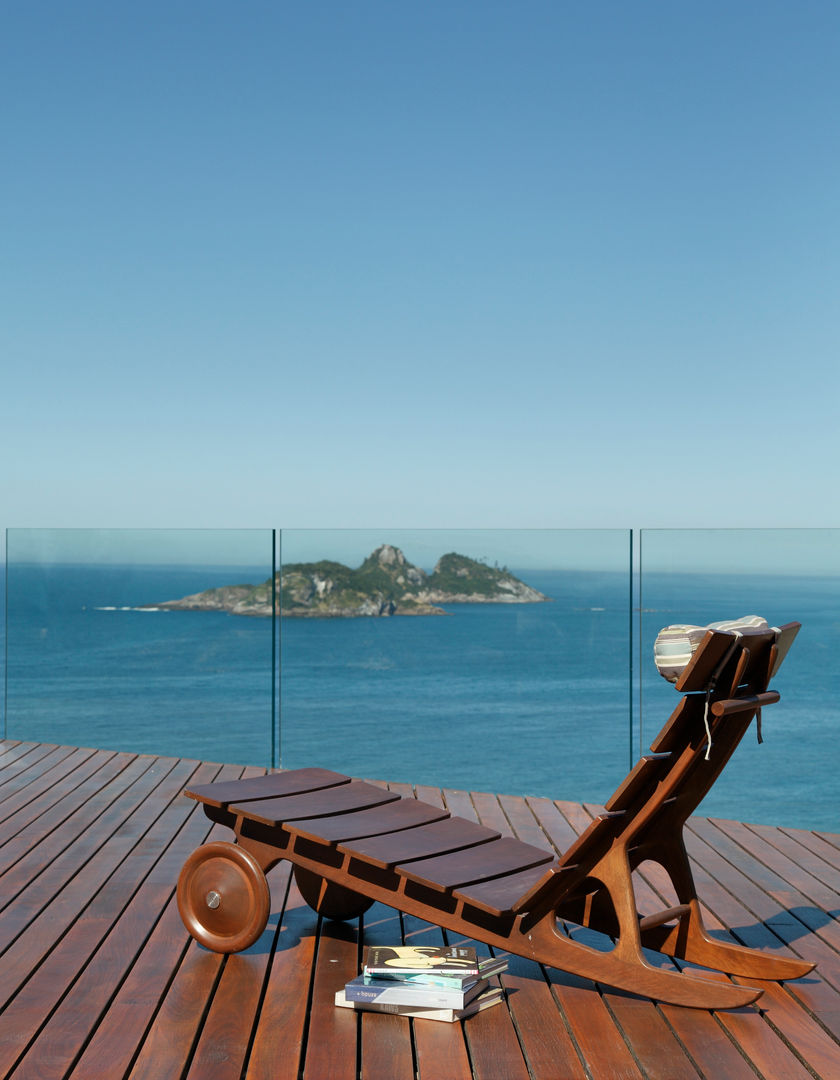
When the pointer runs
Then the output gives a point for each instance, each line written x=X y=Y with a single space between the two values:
x=385 y=584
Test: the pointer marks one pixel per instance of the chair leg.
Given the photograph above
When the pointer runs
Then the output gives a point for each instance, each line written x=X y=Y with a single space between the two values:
x=689 y=939
x=614 y=871
x=629 y=970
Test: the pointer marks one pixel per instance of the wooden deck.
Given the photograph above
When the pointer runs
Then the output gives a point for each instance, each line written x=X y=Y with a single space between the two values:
x=100 y=980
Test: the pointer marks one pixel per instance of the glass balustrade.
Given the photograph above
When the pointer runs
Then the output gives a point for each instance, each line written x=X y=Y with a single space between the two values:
x=94 y=657
x=417 y=655
x=697 y=576
x=504 y=666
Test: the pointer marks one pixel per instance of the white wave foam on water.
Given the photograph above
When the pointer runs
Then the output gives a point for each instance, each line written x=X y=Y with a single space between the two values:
x=128 y=608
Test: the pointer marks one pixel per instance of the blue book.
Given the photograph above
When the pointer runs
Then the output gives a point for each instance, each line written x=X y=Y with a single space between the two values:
x=396 y=992
x=487 y=966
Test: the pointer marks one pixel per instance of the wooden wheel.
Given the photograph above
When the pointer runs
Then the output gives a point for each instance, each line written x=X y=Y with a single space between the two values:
x=223 y=897
x=329 y=899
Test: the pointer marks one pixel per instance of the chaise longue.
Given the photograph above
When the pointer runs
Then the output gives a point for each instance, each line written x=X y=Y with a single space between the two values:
x=353 y=843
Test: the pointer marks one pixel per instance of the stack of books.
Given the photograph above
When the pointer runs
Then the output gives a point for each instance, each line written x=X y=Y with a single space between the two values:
x=424 y=982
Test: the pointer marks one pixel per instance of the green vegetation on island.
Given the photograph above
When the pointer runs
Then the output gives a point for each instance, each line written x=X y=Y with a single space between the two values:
x=385 y=584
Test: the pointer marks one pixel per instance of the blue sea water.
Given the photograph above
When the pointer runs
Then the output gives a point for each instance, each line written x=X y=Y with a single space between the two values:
x=541 y=699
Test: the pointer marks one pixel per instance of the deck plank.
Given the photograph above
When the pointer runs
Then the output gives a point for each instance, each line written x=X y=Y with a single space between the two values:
x=707 y=1044
x=387 y=1043
x=331 y=1051
x=546 y=1044
x=19 y=760
x=279 y=1046
x=103 y=945
x=176 y=1026
x=491 y=1035
x=602 y=1040
x=33 y=768
x=440 y=1049
x=775 y=859
x=48 y=828
x=28 y=804
x=102 y=979
x=53 y=895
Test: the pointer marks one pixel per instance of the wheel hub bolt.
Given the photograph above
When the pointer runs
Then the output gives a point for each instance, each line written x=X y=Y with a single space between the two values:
x=213 y=899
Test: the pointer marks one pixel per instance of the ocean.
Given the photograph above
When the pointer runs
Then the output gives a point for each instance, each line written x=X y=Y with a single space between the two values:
x=539 y=699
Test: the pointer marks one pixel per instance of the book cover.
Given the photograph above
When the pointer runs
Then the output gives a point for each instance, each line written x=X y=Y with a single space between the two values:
x=487 y=966
x=489 y=998
x=409 y=959
x=390 y=992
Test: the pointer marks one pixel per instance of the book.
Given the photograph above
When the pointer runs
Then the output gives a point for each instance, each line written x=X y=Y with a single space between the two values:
x=393 y=992
x=410 y=959
x=487 y=966
x=490 y=997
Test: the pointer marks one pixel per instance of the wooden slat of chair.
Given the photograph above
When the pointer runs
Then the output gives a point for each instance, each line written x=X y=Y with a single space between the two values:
x=407 y=813
x=641 y=780
x=499 y=895
x=680 y=728
x=705 y=661
x=357 y=795
x=271 y=786
x=464 y=867
x=438 y=838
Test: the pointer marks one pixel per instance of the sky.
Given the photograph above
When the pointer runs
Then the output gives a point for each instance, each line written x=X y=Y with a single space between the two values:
x=387 y=266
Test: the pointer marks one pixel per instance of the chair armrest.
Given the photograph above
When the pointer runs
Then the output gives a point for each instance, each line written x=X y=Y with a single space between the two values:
x=729 y=706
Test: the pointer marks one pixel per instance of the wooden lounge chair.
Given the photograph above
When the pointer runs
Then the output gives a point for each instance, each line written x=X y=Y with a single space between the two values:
x=353 y=843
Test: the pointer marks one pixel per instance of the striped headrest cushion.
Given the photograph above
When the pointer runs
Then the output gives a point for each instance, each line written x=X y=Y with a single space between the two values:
x=675 y=645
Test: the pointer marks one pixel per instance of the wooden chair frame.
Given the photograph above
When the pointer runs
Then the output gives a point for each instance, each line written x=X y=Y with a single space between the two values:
x=354 y=843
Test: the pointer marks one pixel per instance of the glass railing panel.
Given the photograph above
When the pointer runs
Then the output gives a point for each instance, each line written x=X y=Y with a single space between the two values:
x=527 y=697
x=697 y=576
x=94 y=660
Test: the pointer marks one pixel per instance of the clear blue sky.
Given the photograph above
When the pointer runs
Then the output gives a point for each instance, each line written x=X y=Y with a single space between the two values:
x=472 y=264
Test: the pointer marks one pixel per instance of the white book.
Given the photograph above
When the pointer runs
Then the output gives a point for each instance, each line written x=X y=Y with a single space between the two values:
x=419 y=1012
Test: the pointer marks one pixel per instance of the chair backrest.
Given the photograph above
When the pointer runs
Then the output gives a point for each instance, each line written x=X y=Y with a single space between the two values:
x=724 y=686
